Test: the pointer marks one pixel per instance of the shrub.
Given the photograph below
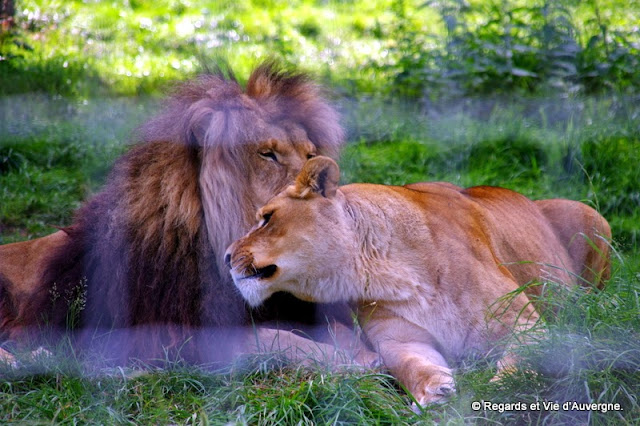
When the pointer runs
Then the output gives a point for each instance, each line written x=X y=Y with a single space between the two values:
x=504 y=46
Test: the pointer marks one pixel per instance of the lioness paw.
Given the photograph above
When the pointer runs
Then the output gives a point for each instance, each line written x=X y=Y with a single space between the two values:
x=435 y=387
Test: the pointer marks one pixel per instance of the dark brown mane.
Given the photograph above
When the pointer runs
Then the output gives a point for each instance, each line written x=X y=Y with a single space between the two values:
x=145 y=252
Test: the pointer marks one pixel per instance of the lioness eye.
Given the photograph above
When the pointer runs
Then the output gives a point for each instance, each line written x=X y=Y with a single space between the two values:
x=265 y=219
x=310 y=155
x=269 y=155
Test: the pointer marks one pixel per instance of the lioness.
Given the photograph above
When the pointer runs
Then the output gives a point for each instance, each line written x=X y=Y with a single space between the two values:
x=426 y=263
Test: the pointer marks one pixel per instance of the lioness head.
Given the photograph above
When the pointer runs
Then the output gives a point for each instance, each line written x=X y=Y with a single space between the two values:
x=299 y=242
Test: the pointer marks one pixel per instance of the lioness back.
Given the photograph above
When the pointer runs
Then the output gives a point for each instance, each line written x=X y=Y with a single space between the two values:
x=566 y=225
x=519 y=235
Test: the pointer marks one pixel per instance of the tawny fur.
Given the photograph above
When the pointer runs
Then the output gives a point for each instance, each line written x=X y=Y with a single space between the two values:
x=435 y=269
x=146 y=252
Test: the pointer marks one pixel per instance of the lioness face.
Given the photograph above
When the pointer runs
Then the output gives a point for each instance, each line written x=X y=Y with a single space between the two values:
x=293 y=248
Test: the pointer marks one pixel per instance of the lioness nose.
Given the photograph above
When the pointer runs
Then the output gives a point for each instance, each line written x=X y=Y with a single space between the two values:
x=227 y=260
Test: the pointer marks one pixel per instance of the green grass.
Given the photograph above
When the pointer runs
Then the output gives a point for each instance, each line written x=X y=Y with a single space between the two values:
x=54 y=154
x=179 y=394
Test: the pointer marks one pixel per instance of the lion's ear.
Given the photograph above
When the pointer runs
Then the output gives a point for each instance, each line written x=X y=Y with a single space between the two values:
x=320 y=175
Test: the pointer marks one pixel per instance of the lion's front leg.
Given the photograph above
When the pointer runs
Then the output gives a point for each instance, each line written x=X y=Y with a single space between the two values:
x=410 y=353
x=303 y=351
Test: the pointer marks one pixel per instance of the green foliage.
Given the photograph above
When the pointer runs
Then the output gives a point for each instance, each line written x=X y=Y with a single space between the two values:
x=511 y=46
x=611 y=162
x=517 y=157
x=82 y=49
x=605 y=160
x=433 y=49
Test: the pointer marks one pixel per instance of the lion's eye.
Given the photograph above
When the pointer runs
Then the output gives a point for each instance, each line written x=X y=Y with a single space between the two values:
x=269 y=155
x=310 y=155
x=265 y=219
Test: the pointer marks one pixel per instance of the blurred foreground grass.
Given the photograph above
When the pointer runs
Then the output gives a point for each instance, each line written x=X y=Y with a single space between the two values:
x=590 y=354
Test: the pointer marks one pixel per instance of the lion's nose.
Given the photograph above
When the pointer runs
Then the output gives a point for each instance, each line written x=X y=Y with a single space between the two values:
x=227 y=260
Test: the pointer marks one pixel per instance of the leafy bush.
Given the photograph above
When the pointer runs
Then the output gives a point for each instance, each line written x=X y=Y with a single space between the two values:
x=612 y=165
x=506 y=46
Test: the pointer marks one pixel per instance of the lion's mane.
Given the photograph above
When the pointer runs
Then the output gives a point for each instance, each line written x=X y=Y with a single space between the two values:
x=147 y=250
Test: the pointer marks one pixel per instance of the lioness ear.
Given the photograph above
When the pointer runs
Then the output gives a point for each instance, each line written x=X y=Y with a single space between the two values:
x=320 y=175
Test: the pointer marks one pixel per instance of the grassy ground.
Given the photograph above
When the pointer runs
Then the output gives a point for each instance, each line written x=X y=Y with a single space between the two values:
x=591 y=353
x=55 y=151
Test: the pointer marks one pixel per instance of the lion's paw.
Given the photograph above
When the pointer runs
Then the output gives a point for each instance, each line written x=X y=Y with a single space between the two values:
x=8 y=359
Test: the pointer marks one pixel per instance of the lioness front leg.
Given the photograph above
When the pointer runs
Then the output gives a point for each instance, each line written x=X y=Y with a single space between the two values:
x=508 y=363
x=421 y=369
x=410 y=353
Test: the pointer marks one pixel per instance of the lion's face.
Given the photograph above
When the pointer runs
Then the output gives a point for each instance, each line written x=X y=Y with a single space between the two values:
x=251 y=143
x=295 y=246
x=276 y=160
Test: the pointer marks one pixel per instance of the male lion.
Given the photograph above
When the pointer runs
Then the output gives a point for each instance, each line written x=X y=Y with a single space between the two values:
x=426 y=263
x=145 y=254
